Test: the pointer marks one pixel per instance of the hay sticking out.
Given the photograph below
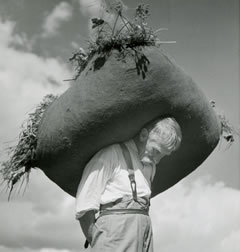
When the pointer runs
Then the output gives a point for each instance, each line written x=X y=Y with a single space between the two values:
x=228 y=131
x=128 y=37
x=23 y=155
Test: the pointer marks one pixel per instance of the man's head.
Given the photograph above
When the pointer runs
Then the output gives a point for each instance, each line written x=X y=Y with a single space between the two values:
x=158 y=139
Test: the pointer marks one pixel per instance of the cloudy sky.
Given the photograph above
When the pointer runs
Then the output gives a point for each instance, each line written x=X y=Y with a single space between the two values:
x=200 y=213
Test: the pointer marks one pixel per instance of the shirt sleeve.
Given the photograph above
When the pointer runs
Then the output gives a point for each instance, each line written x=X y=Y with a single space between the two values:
x=94 y=179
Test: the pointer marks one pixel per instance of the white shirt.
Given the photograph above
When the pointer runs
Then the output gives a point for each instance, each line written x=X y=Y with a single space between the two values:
x=105 y=178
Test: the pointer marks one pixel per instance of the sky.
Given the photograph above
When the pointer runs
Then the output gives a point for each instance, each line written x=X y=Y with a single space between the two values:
x=201 y=212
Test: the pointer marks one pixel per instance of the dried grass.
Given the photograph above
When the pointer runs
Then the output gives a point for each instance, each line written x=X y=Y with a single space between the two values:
x=22 y=157
x=228 y=131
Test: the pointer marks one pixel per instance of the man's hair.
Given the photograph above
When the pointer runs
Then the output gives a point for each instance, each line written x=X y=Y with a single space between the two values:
x=168 y=132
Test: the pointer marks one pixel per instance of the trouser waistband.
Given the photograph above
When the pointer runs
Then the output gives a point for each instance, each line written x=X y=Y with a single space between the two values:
x=127 y=202
x=123 y=211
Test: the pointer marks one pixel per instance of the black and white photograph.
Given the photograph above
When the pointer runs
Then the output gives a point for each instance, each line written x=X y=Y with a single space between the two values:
x=119 y=126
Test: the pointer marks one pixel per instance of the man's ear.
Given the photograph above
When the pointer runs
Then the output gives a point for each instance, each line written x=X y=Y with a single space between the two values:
x=143 y=135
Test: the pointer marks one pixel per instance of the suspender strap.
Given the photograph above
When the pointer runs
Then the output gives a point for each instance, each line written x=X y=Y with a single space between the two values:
x=131 y=176
x=130 y=169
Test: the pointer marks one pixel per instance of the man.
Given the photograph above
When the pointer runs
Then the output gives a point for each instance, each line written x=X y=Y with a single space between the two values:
x=116 y=185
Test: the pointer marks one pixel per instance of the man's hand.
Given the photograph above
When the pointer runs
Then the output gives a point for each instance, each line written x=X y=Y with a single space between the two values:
x=87 y=222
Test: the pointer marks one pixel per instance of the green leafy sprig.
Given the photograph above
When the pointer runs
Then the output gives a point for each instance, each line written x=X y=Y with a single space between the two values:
x=128 y=39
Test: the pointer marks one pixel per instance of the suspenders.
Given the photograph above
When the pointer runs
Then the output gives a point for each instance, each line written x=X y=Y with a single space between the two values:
x=128 y=160
x=130 y=169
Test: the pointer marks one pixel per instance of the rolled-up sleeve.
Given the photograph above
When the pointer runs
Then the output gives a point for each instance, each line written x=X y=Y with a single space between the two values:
x=94 y=179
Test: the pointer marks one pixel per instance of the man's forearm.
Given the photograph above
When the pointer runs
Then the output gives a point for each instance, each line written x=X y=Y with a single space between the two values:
x=87 y=222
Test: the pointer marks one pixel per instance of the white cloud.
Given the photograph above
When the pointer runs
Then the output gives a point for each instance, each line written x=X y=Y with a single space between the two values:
x=199 y=217
x=42 y=219
x=24 y=78
x=99 y=8
x=102 y=9
x=54 y=250
x=36 y=221
x=6 y=249
x=90 y=7
x=61 y=13
x=6 y=29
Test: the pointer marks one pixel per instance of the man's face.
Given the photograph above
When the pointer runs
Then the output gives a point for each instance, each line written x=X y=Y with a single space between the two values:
x=154 y=151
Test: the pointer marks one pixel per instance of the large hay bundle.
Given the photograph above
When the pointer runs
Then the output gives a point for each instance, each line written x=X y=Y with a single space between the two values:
x=109 y=103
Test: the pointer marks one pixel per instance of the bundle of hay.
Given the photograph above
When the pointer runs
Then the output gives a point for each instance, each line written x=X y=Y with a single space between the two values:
x=123 y=82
